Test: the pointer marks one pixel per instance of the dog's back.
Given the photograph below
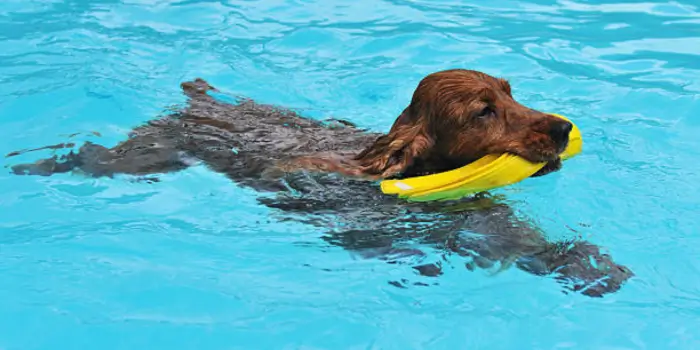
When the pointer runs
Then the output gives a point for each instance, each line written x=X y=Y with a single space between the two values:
x=244 y=140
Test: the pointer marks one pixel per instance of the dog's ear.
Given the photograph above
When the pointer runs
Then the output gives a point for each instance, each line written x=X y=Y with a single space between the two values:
x=393 y=153
x=389 y=155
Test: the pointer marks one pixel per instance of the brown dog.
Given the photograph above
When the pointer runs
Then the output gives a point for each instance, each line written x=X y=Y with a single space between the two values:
x=320 y=167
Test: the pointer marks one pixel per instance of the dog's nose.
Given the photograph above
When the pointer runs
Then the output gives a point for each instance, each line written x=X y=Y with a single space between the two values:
x=559 y=131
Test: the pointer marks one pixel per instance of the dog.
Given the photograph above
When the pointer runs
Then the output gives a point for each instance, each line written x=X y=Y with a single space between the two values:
x=323 y=172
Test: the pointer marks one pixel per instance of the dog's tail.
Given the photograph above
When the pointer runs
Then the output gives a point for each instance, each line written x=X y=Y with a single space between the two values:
x=197 y=88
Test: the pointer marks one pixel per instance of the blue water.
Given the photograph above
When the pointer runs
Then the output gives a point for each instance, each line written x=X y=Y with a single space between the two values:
x=194 y=262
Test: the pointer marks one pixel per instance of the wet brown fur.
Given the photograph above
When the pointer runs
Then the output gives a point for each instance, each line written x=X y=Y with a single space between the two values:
x=320 y=167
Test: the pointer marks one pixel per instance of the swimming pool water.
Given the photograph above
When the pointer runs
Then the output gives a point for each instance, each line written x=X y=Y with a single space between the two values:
x=194 y=262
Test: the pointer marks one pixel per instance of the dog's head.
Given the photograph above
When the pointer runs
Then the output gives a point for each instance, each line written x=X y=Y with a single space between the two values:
x=458 y=116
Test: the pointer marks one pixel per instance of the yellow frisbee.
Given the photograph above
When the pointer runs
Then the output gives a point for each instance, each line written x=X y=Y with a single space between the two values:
x=489 y=172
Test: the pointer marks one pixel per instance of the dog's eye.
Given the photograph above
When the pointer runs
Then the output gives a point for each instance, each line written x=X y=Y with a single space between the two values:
x=487 y=112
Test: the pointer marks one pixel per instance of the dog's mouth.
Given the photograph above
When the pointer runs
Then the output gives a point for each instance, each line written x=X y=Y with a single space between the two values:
x=550 y=167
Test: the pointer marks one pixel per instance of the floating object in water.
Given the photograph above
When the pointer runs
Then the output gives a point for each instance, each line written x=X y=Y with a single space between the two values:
x=489 y=172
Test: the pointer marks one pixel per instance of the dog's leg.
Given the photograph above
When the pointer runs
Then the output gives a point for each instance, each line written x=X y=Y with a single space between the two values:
x=580 y=266
x=486 y=233
x=138 y=156
x=47 y=166
x=142 y=154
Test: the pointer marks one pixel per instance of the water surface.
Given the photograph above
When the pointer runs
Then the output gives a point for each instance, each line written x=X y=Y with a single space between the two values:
x=194 y=262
